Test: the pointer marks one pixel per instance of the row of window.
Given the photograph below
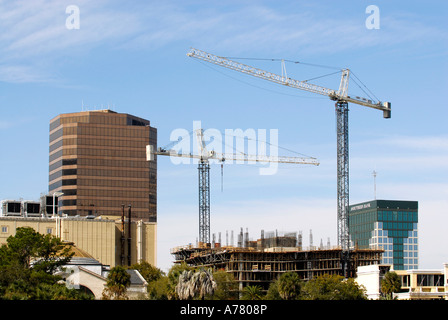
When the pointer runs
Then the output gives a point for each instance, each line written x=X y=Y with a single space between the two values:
x=404 y=216
x=63 y=182
x=110 y=130
x=387 y=246
x=56 y=145
x=403 y=264
x=97 y=204
x=409 y=226
x=100 y=118
x=95 y=193
x=64 y=172
x=145 y=186
x=118 y=153
x=121 y=173
x=142 y=163
x=128 y=131
x=383 y=215
x=122 y=184
x=5 y=229
x=363 y=218
x=75 y=119
x=105 y=142
x=129 y=174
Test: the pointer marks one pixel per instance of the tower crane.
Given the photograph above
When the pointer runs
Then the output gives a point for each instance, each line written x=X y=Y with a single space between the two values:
x=341 y=106
x=203 y=157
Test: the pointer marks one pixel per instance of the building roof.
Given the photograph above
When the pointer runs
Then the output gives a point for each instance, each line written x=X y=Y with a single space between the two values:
x=81 y=257
x=136 y=278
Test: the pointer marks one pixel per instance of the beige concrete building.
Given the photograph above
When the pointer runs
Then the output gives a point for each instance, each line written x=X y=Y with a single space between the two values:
x=423 y=284
x=106 y=239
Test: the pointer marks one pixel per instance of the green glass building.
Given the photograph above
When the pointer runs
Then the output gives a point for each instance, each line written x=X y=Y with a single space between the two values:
x=390 y=225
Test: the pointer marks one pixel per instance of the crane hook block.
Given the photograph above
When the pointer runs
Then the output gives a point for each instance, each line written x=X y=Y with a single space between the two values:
x=387 y=111
x=149 y=152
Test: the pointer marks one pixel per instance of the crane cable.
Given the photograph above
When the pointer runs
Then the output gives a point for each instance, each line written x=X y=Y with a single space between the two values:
x=315 y=65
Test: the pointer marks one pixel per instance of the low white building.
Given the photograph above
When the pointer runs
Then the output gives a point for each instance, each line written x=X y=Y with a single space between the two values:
x=417 y=284
x=370 y=277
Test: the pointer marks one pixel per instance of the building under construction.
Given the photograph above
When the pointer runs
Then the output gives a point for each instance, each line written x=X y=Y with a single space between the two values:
x=261 y=262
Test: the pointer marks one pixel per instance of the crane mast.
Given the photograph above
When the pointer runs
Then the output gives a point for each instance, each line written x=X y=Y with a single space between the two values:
x=203 y=157
x=341 y=107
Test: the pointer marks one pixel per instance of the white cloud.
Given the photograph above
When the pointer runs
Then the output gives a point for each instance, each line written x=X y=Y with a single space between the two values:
x=37 y=29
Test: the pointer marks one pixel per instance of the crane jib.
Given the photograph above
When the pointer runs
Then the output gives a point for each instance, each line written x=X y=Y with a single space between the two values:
x=298 y=84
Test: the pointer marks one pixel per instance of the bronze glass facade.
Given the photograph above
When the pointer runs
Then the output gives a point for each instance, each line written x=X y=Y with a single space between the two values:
x=98 y=161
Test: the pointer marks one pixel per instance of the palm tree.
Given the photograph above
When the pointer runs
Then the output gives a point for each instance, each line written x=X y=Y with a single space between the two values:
x=252 y=293
x=195 y=284
x=289 y=286
x=184 y=289
x=203 y=283
x=118 y=280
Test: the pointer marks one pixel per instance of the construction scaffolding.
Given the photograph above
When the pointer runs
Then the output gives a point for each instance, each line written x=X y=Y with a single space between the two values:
x=263 y=261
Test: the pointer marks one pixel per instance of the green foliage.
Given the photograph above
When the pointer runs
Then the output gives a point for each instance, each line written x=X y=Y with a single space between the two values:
x=252 y=293
x=389 y=284
x=148 y=271
x=164 y=288
x=289 y=286
x=333 y=287
x=158 y=289
x=273 y=293
x=173 y=279
x=27 y=263
x=226 y=286
x=118 y=280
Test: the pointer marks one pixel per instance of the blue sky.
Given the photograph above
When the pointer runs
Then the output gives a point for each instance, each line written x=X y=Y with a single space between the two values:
x=131 y=57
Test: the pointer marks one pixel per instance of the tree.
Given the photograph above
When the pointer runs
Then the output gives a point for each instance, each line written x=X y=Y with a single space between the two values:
x=148 y=271
x=333 y=287
x=199 y=284
x=272 y=293
x=252 y=293
x=118 y=280
x=289 y=286
x=184 y=289
x=390 y=283
x=158 y=289
x=28 y=261
x=226 y=286
x=173 y=279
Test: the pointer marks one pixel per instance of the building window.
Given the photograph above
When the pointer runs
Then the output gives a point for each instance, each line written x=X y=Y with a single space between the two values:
x=4 y=229
x=49 y=230
x=430 y=280
x=406 y=280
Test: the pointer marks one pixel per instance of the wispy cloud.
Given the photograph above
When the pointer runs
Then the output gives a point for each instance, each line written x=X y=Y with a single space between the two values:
x=36 y=39
x=37 y=30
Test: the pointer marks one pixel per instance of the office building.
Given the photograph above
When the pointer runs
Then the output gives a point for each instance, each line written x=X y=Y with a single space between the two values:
x=97 y=163
x=389 y=225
